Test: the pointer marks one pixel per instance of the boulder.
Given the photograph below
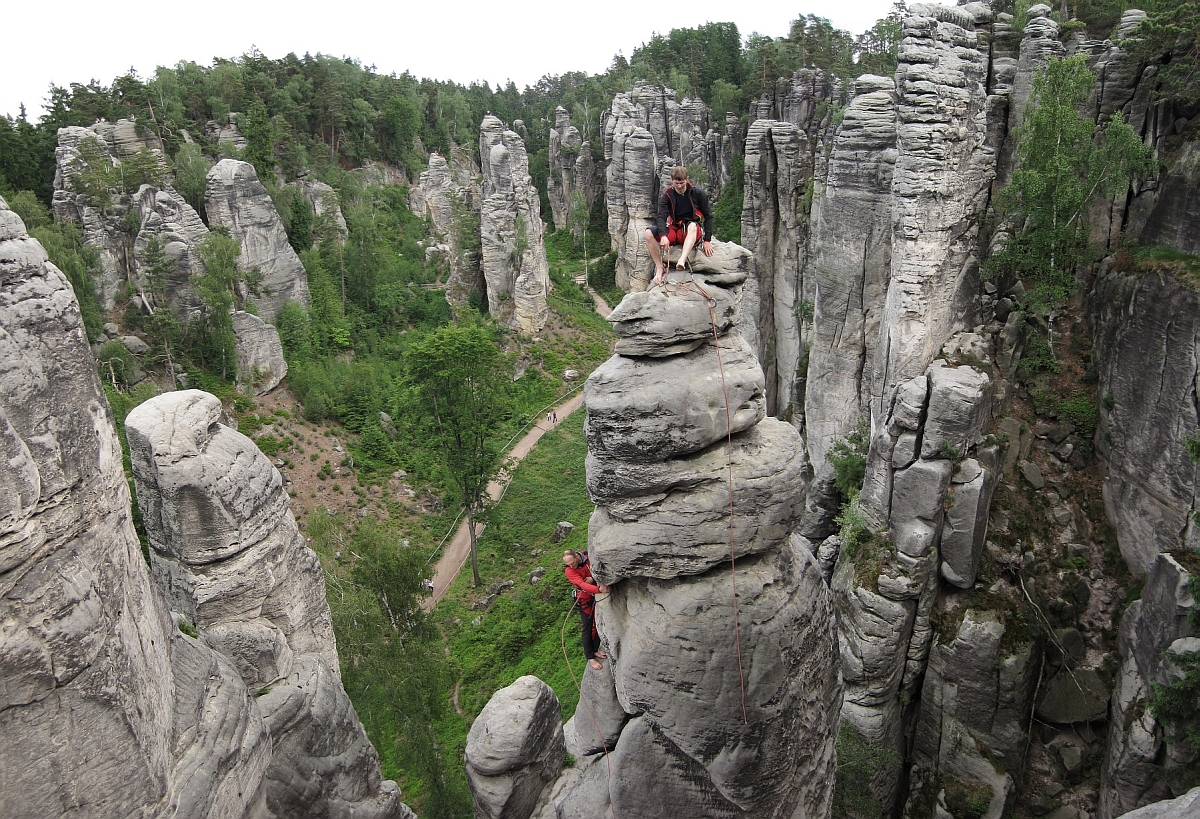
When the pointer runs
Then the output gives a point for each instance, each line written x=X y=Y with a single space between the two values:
x=644 y=410
x=666 y=322
x=514 y=749
x=259 y=353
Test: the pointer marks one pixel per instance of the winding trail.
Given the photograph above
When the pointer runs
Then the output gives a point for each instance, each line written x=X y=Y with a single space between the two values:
x=459 y=548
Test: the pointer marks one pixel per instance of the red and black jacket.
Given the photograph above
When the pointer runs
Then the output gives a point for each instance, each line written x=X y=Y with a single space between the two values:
x=586 y=588
x=675 y=208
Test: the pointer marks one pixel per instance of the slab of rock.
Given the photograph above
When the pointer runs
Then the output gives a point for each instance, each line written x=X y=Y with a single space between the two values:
x=443 y=186
x=964 y=532
x=666 y=520
x=514 y=750
x=957 y=411
x=665 y=322
x=234 y=198
x=645 y=409
x=1144 y=326
x=259 y=353
x=1074 y=696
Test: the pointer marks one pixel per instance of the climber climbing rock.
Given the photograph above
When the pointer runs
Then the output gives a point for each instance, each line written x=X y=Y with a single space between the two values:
x=579 y=572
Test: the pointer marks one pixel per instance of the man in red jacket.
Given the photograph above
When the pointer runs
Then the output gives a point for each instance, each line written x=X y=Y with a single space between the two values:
x=579 y=572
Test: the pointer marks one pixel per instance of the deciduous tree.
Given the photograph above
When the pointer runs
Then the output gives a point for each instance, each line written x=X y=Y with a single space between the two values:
x=459 y=373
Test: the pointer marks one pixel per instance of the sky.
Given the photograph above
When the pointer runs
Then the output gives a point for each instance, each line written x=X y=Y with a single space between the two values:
x=463 y=40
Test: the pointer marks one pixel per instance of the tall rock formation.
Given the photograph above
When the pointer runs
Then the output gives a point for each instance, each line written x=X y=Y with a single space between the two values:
x=571 y=169
x=230 y=559
x=515 y=270
x=720 y=696
x=448 y=193
x=235 y=199
x=108 y=710
x=101 y=218
x=781 y=166
x=850 y=267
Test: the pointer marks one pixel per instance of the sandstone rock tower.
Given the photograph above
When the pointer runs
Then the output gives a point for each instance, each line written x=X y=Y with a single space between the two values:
x=704 y=710
x=107 y=707
x=511 y=229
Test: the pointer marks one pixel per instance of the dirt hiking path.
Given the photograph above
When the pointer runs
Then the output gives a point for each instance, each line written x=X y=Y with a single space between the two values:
x=455 y=555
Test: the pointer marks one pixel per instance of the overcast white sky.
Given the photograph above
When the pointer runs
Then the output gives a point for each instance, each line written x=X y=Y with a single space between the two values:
x=73 y=41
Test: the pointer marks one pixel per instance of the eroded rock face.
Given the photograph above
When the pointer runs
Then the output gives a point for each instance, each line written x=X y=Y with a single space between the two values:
x=165 y=216
x=1144 y=330
x=235 y=199
x=510 y=226
x=976 y=694
x=106 y=710
x=1154 y=630
x=661 y=535
x=229 y=557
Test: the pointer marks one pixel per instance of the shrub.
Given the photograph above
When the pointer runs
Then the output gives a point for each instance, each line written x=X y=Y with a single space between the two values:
x=1081 y=411
x=849 y=459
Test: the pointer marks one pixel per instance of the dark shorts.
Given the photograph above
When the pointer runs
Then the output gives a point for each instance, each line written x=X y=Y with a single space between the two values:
x=676 y=234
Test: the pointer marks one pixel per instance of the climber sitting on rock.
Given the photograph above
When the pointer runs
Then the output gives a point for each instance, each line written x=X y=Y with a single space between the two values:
x=579 y=572
x=680 y=209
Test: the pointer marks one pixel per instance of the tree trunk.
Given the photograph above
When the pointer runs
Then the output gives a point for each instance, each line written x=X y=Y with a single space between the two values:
x=475 y=581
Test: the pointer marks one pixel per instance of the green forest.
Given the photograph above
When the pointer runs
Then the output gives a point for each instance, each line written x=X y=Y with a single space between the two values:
x=360 y=356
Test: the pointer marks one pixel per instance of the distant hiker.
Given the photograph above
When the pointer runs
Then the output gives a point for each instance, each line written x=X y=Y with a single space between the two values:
x=579 y=572
x=556 y=416
x=680 y=209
